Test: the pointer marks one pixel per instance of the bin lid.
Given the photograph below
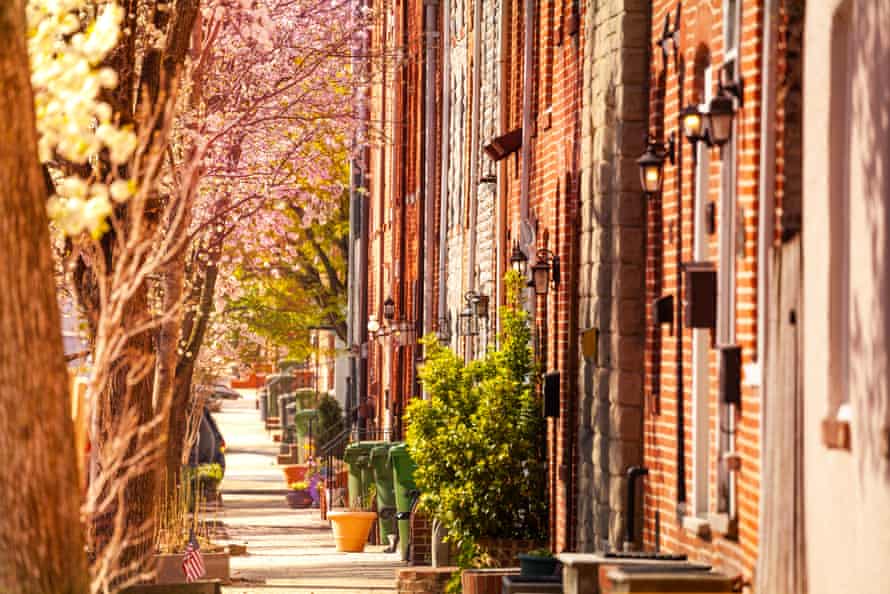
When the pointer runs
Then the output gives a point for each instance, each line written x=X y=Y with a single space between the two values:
x=400 y=452
x=359 y=449
x=381 y=451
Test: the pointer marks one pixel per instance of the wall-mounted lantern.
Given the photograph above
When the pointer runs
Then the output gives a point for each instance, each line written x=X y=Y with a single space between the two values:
x=519 y=261
x=468 y=323
x=652 y=164
x=389 y=309
x=721 y=113
x=713 y=123
x=443 y=333
x=546 y=266
x=373 y=325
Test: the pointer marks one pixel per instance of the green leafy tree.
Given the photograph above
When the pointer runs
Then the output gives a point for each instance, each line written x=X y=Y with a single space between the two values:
x=301 y=290
x=478 y=440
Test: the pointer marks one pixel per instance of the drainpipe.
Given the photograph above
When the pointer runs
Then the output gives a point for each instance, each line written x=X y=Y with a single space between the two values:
x=474 y=152
x=527 y=123
x=501 y=221
x=766 y=203
x=359 y=332
x=446 y=160
x=634 y=475
x=431 y=35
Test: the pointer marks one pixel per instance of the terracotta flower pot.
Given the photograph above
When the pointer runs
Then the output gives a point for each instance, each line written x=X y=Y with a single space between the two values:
x=351 y=529
x=294 y=473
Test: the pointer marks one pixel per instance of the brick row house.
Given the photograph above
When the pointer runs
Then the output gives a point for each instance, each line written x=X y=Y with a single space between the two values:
x=651 y=154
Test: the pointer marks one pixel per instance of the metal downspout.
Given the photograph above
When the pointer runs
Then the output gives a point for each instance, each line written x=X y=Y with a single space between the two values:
x=766 y=204
x=446 y=162
x=431 y=35
x=525 y=235
x=474 y=154
x=501 y=221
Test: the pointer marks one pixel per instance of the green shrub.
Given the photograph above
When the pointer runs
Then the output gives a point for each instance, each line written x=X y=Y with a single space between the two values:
x=478 y=440
x=209 y=473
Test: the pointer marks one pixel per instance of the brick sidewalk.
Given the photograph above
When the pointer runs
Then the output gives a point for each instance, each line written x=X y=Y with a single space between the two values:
x=288 y=551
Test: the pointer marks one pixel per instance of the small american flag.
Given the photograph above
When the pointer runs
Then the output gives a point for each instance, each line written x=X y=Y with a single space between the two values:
x=193 y=562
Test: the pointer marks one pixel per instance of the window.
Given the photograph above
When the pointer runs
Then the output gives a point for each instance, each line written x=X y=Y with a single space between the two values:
x=701 y=340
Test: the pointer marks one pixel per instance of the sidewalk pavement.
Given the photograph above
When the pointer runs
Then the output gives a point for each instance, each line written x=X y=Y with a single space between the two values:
x=288 y=551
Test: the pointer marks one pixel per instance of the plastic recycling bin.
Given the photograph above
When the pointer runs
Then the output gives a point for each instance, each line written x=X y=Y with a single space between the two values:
x=405 y=491
x=358 y=458
x=263 y=398
x=381 y=468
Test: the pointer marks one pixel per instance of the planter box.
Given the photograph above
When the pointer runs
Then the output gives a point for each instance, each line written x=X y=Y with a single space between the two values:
x=299 y=499
x=169 y=567
x=484 y=581
x=200 y=587
x=506 y=550
x=534 y=566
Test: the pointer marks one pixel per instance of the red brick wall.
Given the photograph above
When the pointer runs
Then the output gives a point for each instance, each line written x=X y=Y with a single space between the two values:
x=670 y=237
x=421 y=552
x=553 y=202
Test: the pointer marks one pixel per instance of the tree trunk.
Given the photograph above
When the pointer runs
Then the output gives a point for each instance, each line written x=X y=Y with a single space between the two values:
x=193 y=337
x=41 y=537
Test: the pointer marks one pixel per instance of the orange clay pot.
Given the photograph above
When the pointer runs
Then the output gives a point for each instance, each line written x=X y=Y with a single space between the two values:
x=294 y=472
x=351 y=529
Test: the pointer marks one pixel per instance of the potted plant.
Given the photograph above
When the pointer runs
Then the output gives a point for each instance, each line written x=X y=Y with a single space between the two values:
x=537 y=563
x=351 y=528
x=298 y=496
x=205 y=480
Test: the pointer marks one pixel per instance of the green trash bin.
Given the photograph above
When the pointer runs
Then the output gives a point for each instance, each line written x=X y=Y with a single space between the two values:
x=381 y=467
x=358 y=457
x=405 y=490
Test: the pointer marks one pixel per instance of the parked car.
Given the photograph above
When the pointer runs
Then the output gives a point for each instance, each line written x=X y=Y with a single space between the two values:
x=224 y=392
x=210 y=446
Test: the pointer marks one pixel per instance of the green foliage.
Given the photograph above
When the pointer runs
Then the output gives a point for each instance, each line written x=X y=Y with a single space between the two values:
x=209 y=473
x=330 y=419
x=544 y=553
x=478 y=440
x=298 y=290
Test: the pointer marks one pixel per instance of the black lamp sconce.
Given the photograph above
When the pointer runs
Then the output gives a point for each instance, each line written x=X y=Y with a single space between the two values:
x=476 y=308
x=444 y=331
x=389 y=309
x=670 y=36
x=652 y=163
x=545 y=269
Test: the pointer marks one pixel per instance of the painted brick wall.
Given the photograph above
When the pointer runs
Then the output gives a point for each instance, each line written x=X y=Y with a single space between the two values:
x=458 y=143
x=611 y=296
x=671 y=485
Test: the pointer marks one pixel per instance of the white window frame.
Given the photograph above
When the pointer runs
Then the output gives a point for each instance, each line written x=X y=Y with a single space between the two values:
x=701 y=339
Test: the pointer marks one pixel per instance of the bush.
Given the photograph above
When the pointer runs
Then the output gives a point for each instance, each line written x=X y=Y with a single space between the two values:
x=479 y=440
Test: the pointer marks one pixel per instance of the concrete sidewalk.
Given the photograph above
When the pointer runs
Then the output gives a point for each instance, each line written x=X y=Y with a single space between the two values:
x=288 y=551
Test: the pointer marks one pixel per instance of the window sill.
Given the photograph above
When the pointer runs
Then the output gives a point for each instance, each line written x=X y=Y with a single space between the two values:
x=698 y=527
